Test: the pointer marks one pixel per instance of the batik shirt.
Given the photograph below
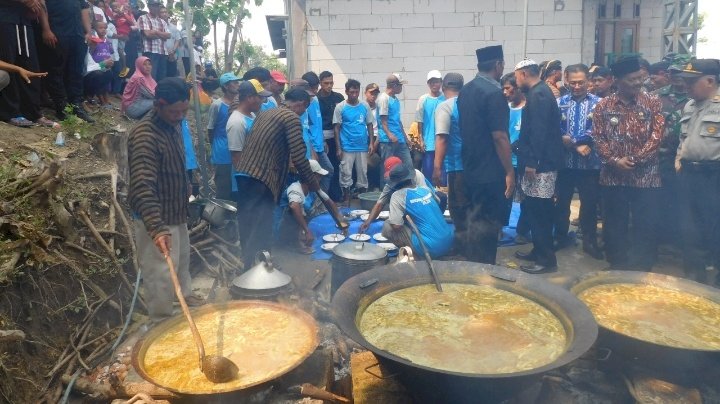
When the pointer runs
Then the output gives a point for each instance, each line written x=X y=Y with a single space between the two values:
x=632 y=130
x=576 y=120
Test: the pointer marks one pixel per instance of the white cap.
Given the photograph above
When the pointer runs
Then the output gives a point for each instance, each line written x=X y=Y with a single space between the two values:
x=434 y=74
x=525 y=63
x=316 y=168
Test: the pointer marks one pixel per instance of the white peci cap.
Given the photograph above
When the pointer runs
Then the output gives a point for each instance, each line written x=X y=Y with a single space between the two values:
x=525 y=63
x=434 y=74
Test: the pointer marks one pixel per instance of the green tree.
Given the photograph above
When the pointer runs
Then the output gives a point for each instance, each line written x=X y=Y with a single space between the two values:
x=249 y=55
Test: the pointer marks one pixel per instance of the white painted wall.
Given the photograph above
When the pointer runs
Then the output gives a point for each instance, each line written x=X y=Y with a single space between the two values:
x=368 y=39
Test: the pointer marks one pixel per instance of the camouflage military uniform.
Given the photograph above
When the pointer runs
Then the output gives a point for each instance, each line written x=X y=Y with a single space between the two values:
x=673 y=103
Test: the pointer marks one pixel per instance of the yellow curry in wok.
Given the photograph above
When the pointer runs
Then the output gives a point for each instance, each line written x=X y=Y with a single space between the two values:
x=655 y=314
x=263 y=341
x=466 y=328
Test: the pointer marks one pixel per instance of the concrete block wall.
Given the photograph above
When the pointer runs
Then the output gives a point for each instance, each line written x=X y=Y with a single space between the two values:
x=368 y=39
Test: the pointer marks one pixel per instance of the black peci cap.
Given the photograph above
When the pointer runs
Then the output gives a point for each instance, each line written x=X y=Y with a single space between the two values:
x=489 y=53
x=625 y=66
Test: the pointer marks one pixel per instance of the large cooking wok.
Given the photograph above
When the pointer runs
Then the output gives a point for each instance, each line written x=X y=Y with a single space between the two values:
x=678 y=364
x=301 y=321
x=432 y=385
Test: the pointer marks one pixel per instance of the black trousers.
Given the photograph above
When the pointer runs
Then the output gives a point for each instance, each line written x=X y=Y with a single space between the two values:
x=97 y=83
x=19 y=98
x=171 y=69
x=630 y=245
x=334 y=192
x=65 y=64
x=485 y=216
x=222 y=178
x=669 y=225
x=700 y=221
x=255 y=207
x=540 y=217
x=588 y=186
x=458 y=203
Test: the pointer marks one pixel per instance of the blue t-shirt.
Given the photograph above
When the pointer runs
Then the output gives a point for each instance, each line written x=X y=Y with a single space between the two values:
x=190 y=160
x=390 y=107
x=514 y=129
x=315 y=122
x=425 y=114
x=353 y=121
x=307 y=136
x=420 y=204
x=447 y=122
x=270 y=103
x=218 y=116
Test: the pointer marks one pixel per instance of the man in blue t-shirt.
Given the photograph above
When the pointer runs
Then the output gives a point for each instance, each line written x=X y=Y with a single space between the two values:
x=516 y=102
x=425 y=118
x=217 y=121
x=419 y=203
x=448 y=155
x=316 y=129
x=353 y=122
x=263 y=76
x=391 y=136
x=250 y=98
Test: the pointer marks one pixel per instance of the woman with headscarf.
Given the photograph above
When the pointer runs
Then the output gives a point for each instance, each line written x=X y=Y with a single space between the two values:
x=139 y=92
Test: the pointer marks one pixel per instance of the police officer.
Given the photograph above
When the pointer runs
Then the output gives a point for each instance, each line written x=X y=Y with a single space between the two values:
x=698 y=162
x=673 y=97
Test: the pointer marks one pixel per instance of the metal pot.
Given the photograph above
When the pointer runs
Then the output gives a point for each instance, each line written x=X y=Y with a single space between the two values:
x=440 y=386
x=218 y=211
x=349 y=259
x=368 y=199
x=670 y=363
x=261 y=281
x=237 y=392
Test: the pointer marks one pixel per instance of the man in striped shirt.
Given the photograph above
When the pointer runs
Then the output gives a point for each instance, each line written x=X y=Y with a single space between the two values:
x=275 y=142
x=154 y=33
x=159 y=189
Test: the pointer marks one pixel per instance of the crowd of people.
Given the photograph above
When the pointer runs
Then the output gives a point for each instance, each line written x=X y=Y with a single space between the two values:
x=83 y=52
x=639 y=143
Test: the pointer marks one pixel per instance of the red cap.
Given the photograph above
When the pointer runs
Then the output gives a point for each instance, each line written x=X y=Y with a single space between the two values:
x=278 y=76
x=390 y=163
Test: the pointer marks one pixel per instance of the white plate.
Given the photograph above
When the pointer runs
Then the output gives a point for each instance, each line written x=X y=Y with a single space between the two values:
x=446 y=213
x=359 y=237
x=333 y=238
x=364 y=216
x=328 y=246
x=379 y=237
x=385 y=214
x=359 y=212
x=388 y=246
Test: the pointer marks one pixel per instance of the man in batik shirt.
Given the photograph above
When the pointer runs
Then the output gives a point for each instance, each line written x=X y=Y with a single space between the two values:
x=628 y=129
x=582 y=169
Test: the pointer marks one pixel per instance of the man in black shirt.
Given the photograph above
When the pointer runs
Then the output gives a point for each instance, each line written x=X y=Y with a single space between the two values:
x=328 y=99
x=489 y=177
x=540 y=155
x=65 y=59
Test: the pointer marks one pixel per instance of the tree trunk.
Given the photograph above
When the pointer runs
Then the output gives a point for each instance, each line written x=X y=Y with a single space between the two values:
x=227 y=57
x=233 y=42
x=214 y=24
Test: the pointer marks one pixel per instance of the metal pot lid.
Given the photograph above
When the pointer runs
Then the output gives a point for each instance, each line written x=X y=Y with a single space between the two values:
x=262 y=276
x=359 y=251
x=227 y=205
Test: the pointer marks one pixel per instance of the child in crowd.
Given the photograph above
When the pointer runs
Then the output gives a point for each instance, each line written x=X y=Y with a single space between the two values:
x=124 y=23
x=99 y=74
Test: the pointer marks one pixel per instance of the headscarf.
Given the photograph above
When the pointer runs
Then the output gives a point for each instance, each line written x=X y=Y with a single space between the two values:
x=137 y=80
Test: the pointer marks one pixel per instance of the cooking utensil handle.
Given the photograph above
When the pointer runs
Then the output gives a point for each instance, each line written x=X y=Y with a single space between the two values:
x=425 y=251
x=186 y=310
x=325 y=199
x=264 y=256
